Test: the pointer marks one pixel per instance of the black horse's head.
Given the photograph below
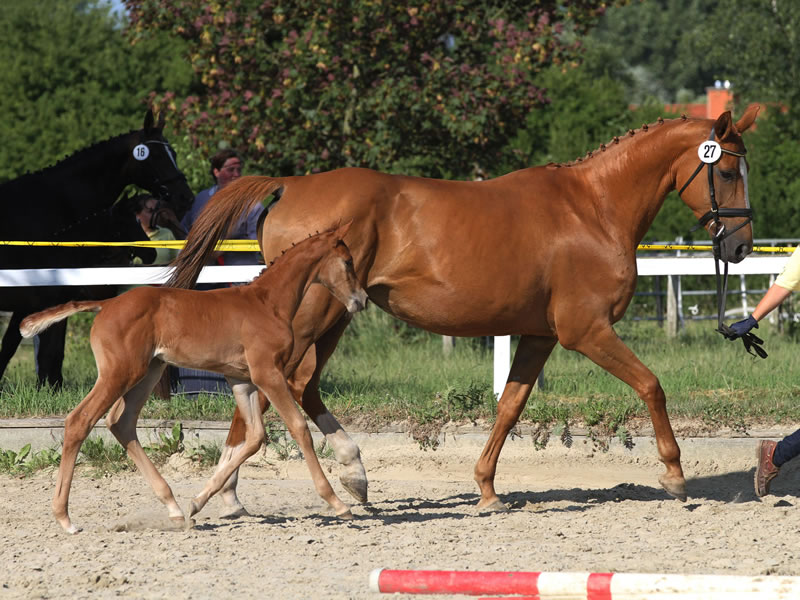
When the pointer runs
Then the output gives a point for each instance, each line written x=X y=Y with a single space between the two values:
x=153 y=165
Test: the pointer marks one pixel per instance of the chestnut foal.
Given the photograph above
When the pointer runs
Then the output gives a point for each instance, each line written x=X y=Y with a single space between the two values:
x=242 y=332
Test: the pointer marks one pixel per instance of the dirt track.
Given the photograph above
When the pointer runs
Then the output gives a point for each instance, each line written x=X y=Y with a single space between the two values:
x=572 y=510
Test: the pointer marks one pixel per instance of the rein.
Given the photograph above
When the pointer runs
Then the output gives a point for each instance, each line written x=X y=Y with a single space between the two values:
x=752 y=343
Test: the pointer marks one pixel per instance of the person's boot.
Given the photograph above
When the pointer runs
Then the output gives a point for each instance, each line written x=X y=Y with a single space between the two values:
x=765 y=469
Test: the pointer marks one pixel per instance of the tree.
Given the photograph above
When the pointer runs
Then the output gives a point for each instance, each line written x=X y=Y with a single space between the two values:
x=428 y=87
x=657 y=42
x=68 y=78
x=761 y=52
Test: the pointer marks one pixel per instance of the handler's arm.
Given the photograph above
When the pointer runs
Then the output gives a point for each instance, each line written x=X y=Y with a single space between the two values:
x=774 y=296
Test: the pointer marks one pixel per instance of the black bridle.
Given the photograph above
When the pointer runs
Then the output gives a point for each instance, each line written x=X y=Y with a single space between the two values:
x=752 y=343
x=160 y=189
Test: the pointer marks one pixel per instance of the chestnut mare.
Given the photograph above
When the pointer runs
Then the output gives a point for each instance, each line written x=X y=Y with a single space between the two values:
x=548 y=253
x=242 y=332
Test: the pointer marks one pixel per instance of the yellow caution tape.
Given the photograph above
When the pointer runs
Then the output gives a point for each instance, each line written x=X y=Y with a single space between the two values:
x=225 y=245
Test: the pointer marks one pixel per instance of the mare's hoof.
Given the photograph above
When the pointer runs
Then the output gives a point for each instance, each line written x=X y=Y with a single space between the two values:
x=72 y=530
x=233 y=512
x=194 y=509
x=356 y=486
x=496 y=506
x=674 y=487
x=345 y=516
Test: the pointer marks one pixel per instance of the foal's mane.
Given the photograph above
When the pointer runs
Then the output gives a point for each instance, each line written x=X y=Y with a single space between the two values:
x=616 y=140
x=281 y=258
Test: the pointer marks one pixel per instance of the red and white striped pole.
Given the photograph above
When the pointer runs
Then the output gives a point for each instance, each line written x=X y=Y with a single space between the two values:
x=586 y=586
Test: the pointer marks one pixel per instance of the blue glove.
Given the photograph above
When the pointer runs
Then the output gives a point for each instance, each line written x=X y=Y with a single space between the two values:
x=742 y=327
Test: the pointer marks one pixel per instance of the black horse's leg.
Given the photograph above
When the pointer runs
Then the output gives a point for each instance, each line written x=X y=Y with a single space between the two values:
x=11 y=340
x=50 y=354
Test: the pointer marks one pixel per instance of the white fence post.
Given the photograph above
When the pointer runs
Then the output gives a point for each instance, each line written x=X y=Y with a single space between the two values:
x=502 y=362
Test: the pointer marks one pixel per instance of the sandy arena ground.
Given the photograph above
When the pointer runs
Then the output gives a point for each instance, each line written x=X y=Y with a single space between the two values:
x=572 y=510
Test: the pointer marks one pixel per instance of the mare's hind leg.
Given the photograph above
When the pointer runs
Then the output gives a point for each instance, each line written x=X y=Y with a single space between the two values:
x=77 y=426
x=121 y=421
x=247 y=403
x=602 y=345
x=532 y=353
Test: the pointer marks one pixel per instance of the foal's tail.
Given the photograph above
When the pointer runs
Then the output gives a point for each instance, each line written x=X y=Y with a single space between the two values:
x=215 y=222
x=38 y=322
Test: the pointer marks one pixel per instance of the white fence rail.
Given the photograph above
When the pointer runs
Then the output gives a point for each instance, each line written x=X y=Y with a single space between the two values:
x=647 y=267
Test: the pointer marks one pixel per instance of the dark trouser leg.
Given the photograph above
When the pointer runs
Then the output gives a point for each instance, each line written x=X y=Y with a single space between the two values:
x=787 y=449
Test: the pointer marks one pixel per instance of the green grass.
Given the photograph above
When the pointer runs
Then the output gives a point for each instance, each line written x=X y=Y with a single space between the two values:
x=386 y=371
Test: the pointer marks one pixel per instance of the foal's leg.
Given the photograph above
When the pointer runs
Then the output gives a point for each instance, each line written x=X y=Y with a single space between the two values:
x=247 y=403
x=311 y=363
x=77 y=427
x=532 y=353
x=602 y=345
x=231 y=505
x=278 y=392
x=121 y=421
x=345 y=450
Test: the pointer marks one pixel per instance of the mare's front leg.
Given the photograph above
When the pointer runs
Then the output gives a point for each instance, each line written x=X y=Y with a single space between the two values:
x=249 y=408
x=121 y=421
x=532 y=353
x=602 y=345
x=11 y=340
x=50 y=355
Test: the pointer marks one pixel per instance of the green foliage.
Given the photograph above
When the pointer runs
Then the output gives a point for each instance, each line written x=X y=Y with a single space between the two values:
x=104 y=457
x=69 y=78
x=752 y=35
x=206 y=455
x=167 y=444
x=24 y=462
x=418 y=87
x=656 y=45
x=279 y=442
x=14 y=462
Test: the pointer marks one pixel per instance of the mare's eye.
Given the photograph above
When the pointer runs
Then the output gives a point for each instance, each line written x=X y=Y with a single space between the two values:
x=727 y=176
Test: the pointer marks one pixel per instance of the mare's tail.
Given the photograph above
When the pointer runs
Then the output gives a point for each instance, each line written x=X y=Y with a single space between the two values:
x=38 y=322
x=225 y=209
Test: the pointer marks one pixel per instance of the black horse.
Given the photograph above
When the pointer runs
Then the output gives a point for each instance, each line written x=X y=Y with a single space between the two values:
x=75 y=200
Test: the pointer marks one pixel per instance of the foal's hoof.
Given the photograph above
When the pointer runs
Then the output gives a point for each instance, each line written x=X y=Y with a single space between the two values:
x=356 y=486
x=496 y=506
x=345 y=516
x=675 y=487
x=178 y=522
x=233 y=512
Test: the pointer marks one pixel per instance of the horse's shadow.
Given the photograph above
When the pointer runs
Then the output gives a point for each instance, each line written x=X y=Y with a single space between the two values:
x=733 y=488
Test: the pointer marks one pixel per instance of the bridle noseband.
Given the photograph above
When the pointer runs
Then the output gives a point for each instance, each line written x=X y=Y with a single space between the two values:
x=706 y=151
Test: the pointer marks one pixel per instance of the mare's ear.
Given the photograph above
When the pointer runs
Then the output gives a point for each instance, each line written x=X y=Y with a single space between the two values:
x=723 y=125
x=148 y=120
x=748 y=118
x=161 y=119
